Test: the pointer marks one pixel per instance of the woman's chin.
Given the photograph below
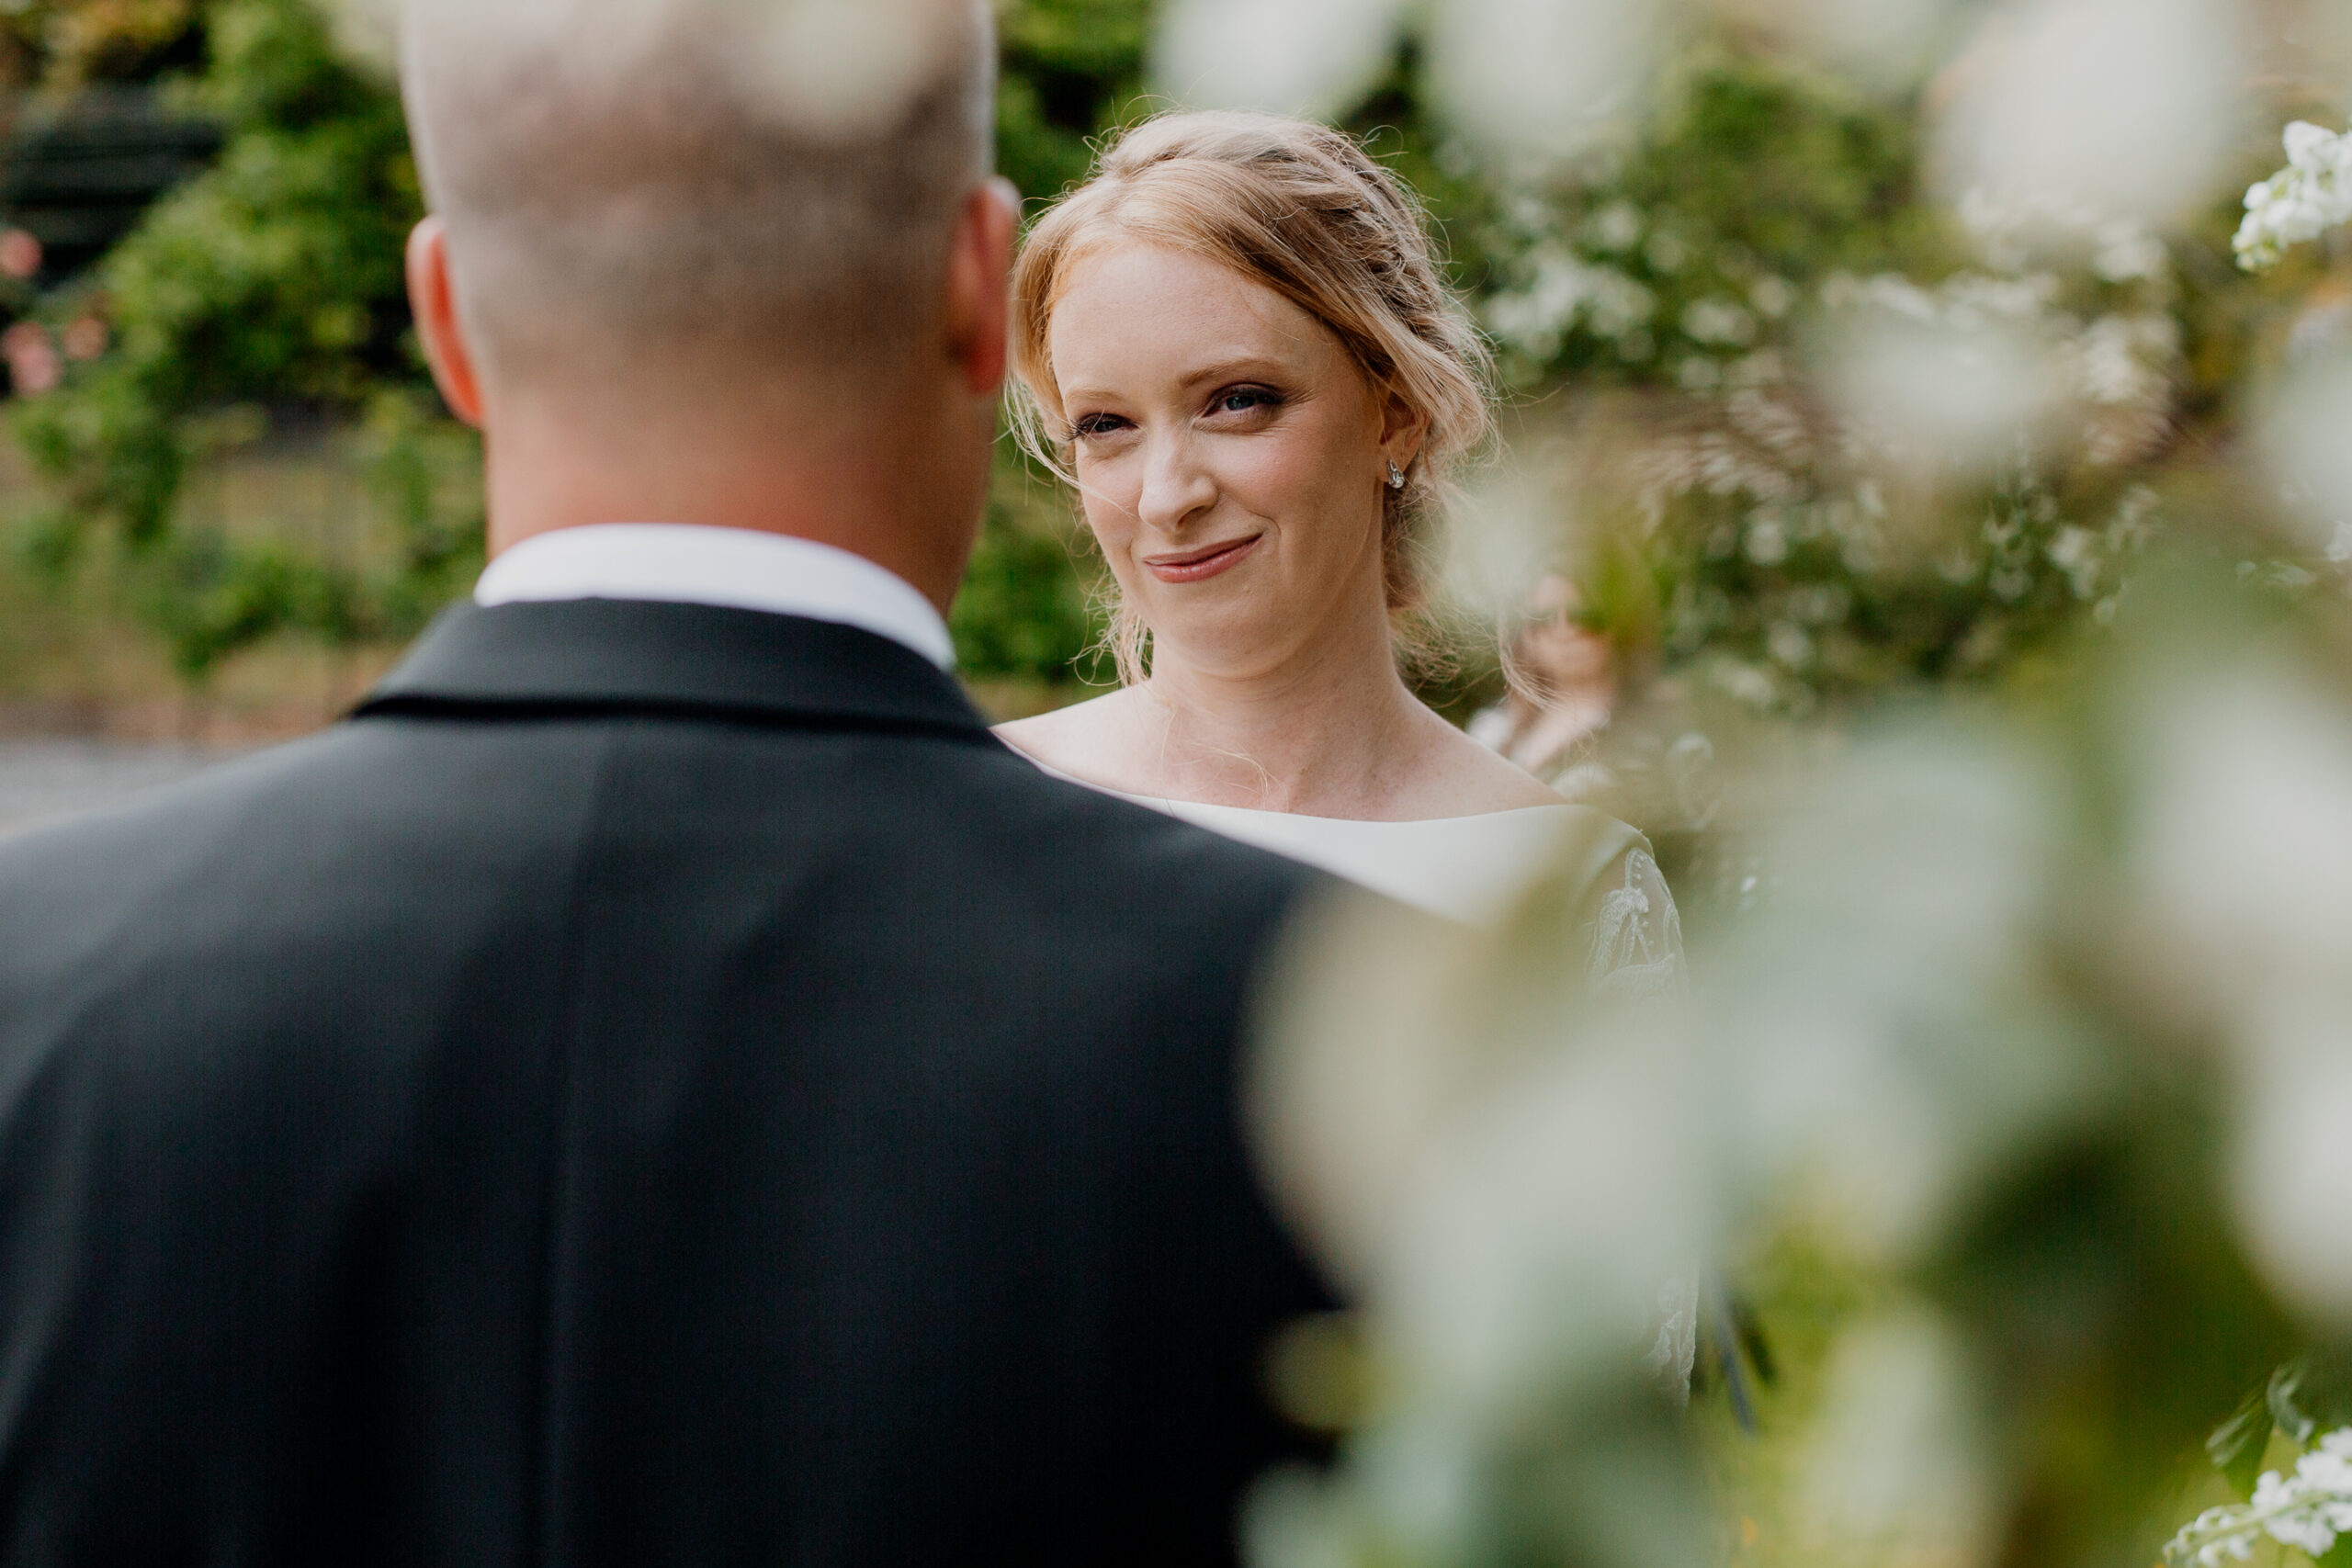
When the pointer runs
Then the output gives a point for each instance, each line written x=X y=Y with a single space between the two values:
x=1242 y=644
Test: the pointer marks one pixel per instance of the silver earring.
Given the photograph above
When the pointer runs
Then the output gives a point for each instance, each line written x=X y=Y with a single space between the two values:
x=1395 y=477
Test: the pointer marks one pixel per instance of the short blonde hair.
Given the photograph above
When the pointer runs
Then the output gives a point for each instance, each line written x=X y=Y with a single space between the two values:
x=772 y=183
x=1301 y=208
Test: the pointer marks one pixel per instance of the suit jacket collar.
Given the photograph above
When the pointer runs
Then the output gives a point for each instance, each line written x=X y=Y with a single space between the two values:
x=633 y=656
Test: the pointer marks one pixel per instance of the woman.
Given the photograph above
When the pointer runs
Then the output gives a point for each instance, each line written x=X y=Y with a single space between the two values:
x=1235 y=342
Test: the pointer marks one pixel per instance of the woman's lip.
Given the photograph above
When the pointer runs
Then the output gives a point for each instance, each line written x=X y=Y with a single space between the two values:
x=1202 y=564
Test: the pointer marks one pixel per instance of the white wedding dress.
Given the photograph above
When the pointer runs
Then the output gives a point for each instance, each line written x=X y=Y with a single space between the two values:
x=1473 y=869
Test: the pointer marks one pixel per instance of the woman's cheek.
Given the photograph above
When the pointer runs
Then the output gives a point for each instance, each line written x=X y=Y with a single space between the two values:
x=1277 y=477
x=1102 y=497
x=1113 y=529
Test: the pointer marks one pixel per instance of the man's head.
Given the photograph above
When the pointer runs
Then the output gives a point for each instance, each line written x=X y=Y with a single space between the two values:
x=698 y=215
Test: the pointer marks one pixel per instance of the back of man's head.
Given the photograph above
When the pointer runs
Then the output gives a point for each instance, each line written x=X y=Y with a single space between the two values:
x=645 y=189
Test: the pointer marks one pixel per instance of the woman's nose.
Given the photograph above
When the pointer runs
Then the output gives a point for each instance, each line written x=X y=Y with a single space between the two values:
x=1176 y=486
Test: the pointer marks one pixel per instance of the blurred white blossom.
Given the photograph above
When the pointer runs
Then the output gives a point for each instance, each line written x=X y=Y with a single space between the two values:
x=2303 y=432
x=1715 y=320
x=2292 y=1162
x=820 y=68
x=1307 y=57
x=1885 y=42
x=2126 y=253
x=2243 y=847
x=1501 y=537
x=1543 y=1226
x=1879 y=1045
x=1541 y=78
x=1976 y=367
x=2127 y=105
x=2015 y=229
x=1897 y=1470
x=1615 y=227
x=843 y=66
x=1957 y=372
x=2121 y=370
x=2243 y=838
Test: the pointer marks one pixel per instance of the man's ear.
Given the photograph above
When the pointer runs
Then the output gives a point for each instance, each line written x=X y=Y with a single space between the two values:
x=979 y=282
x=433 y=299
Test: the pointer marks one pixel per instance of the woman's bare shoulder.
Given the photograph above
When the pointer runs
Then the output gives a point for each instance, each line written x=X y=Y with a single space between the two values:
x=1067 y=739
x=1477 y=779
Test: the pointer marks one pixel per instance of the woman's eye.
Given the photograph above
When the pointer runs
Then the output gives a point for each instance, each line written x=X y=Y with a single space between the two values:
x=1242 y=399
x=1095 y=425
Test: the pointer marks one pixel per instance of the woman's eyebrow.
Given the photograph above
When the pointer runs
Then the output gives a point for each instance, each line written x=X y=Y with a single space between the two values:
x=1237 y=367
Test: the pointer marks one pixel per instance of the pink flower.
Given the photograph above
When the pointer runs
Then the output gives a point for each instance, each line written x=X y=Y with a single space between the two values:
x=19 y=253
x=33 y=362
x=85 y=339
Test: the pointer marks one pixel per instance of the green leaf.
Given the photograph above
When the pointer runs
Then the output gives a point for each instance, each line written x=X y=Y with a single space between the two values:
x=2238 y=1444
x=2313 y=1395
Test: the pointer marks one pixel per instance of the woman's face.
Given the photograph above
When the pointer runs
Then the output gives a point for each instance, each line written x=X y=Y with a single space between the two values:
x=1231 y=456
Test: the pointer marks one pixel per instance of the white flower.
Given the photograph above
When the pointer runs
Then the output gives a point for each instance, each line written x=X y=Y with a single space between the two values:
x=2306 y=1510
x=1718 y=320
x=2304 y=1533
x=2309 y=147
x=1560 y=292
x=2128 y=253
x=1616 y=227
x=1789 y=645
x=2311 y=194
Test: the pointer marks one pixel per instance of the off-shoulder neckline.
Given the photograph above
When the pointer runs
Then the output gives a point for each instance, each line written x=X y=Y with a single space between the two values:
x=1171 y=801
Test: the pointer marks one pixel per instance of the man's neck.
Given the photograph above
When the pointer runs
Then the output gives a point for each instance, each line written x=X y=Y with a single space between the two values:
x=866 y=487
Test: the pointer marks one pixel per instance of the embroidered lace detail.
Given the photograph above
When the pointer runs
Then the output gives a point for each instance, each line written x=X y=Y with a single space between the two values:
x=1677 y=1349
x=1636 y=934
x=1637 y=952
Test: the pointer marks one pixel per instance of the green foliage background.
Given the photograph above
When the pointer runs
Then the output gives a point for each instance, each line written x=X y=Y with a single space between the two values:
x=266 y=292
x=265 y=295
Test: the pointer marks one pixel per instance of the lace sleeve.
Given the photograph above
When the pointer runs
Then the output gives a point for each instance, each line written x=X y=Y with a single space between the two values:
x=1637 y=952
x=1636 y=935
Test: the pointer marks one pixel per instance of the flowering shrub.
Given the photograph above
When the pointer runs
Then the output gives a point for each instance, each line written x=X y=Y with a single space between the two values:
x=271 y=279
x=1664 y=262
x=2039 y=1051
x=1859 y=445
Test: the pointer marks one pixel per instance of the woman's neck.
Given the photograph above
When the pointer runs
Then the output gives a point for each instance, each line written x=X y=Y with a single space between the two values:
x=1326 y=733
x=1329 y=731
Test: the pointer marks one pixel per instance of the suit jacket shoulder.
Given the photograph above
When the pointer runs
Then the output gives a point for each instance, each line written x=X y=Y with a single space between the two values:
x=662 y=1085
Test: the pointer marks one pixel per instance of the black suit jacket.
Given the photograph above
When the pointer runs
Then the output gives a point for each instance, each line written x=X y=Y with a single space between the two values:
x=662 y=1085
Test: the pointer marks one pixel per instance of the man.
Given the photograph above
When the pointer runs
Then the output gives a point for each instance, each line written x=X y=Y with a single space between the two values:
x=662 y=1085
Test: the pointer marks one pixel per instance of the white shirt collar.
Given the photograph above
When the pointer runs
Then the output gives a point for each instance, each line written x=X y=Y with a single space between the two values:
x=736 y=568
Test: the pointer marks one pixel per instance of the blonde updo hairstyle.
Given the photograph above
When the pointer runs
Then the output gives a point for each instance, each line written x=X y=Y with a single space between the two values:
x=1300 y=208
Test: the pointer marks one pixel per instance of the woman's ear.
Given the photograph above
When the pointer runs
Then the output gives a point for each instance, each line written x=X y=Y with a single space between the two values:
x=1403 y=430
